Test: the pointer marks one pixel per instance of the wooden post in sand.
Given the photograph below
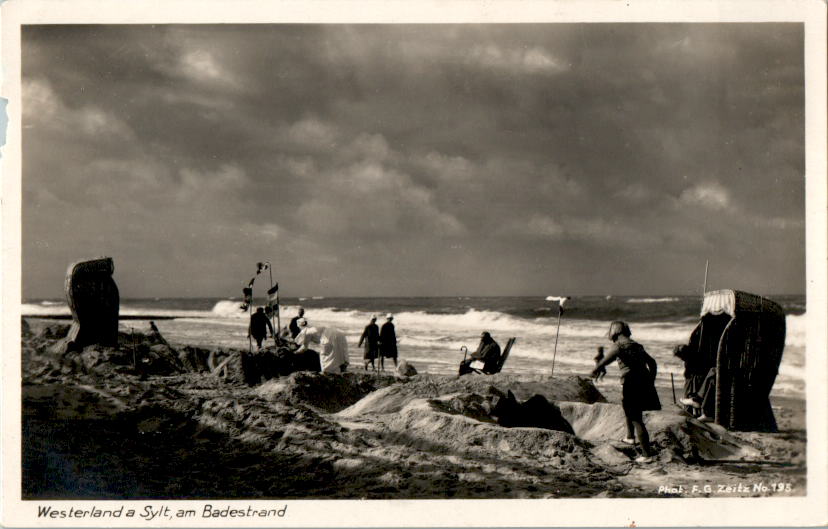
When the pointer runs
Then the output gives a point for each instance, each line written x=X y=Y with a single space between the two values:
x=134 y=358
x=673 y=387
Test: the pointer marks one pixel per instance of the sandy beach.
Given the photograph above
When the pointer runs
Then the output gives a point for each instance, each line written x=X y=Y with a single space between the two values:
x=95 y=427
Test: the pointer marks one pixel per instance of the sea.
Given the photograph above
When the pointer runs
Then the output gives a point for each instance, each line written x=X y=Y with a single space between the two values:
x=432 y=330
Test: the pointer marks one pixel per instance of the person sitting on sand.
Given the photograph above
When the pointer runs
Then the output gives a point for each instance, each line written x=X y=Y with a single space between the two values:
x=294 y=324
x=259 y=324
x=638 y=393
x=487 y=352
x=598 y=357
x=388 y=342
x=370 y=336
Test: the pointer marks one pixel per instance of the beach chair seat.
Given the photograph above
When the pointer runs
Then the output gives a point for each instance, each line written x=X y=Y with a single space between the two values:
x=476 y=366
x=504 y=355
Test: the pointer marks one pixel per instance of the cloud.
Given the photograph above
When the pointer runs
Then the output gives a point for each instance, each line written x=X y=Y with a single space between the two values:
x=709 y=195
x=544 y=226
x=636 y=193
x=200 y=64
x=595 y=231
x=212 y=188
x=313 y=132
x=361 y=190
x=39 y=100
x=415 y=147
x=532 y=60
x=43 y=107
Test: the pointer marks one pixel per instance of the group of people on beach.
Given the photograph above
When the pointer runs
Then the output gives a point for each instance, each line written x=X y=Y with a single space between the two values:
x=378 y=342
x=637 y=368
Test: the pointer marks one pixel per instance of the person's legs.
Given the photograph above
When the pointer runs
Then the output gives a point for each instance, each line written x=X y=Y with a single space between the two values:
x=708 y=394
x=643 y=437
x=630 y=430
x=635 y=423
x=395 y=361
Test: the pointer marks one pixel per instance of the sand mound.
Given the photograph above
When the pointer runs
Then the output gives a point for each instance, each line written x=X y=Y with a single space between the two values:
x=423 y=424
x=329 y=393
x=393 y=398
x=683 y=436
x=145 y=354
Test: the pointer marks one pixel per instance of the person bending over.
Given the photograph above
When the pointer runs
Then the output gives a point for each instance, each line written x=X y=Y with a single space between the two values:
x=638 y=394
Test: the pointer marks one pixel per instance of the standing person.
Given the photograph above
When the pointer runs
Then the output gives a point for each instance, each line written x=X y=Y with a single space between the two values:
x=388 y=342
x=598 y=357
x=259 y=324
x=294 y=323
x=370 y=336
x=638 y=393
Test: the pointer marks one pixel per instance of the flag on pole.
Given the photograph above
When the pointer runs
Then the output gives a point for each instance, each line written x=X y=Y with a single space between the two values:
x=273 y=298
x=561 y=302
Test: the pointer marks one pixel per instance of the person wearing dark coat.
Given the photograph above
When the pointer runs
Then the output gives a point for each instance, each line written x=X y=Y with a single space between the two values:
x=387 y=342
x=487 y=352
x=259 y=324
x=294 y=323
x=699 y=378
x=638 y=393
x=370 y=337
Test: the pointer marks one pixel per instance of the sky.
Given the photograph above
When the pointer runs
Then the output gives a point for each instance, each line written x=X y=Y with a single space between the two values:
x=415 y=160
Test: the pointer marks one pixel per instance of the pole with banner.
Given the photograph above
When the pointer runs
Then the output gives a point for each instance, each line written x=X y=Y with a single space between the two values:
x=273 y=304
x=561 y=301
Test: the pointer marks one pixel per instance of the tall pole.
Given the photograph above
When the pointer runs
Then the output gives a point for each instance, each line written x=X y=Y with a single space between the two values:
x=704 y=288
x=555 y=351
x=704 y=293
x=278 y=327
x=249 y=320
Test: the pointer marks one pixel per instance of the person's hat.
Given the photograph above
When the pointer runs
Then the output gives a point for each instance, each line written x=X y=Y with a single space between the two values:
x=485 y=334
x=373 y=316
x=618 y=327
x=301 y=322
x=389 y=316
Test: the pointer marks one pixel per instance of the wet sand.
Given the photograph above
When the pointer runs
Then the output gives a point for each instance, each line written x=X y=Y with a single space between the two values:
x=105 y=424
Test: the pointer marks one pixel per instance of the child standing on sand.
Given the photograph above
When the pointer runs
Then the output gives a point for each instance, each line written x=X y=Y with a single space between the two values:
x=638 y=393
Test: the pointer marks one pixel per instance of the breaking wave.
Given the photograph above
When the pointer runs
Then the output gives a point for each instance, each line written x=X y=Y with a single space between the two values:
x=652 y=300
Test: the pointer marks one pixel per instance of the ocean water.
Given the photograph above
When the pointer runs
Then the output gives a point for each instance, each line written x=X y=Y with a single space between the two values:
x=431 y=331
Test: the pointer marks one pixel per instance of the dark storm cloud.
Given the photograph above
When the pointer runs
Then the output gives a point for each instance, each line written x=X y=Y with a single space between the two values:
x=416 y=159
